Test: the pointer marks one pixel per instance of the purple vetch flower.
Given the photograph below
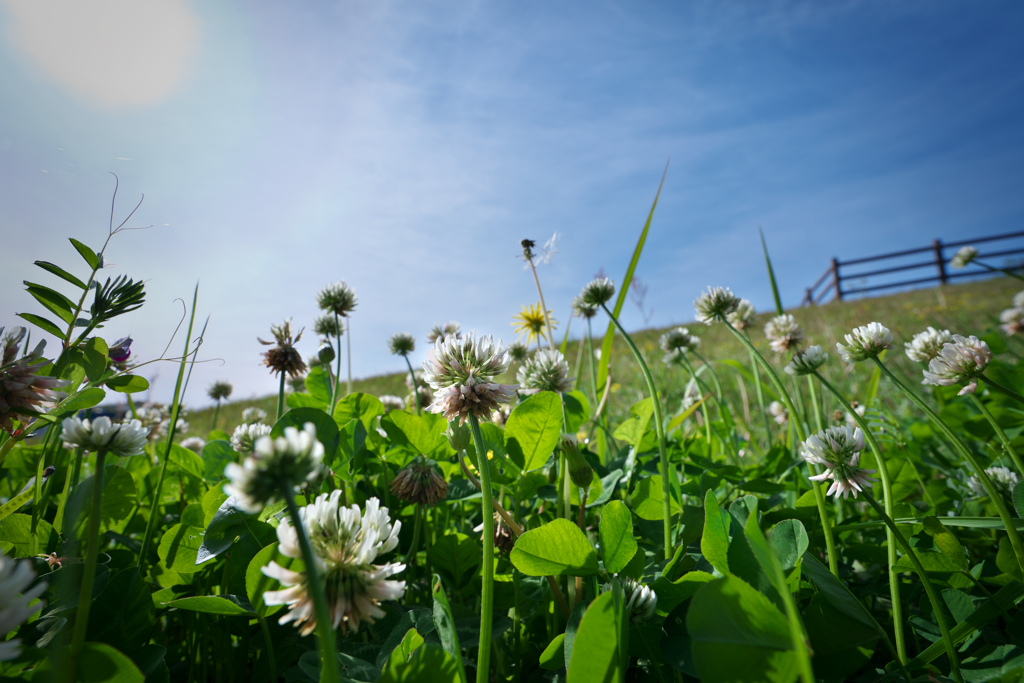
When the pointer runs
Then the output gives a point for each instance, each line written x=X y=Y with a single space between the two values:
x=120 y=350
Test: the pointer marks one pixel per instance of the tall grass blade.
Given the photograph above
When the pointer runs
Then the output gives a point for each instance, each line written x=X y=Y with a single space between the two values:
x=771 y=273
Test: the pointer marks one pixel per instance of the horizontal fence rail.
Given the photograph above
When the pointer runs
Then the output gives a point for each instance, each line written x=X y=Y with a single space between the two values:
x=831 y=281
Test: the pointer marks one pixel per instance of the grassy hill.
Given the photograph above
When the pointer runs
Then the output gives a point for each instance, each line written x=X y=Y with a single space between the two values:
x=971 y=308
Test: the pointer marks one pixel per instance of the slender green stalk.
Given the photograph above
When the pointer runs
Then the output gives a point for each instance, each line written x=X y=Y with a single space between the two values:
x=998 y=270
x=760 y=397
x=216 y=413
x=1003 y=390
x=315 y=585
x=280 y=398
x=579 y=361
x=819 y=498
x=933 y=597
x=410 y=558
x=348 y=358
x=487 y=596
x=667 y=475
x=1001 y=434
x=817 y=404
x=883 y=475
x=703 y=405
x=88 y=572
x=337 y=364
x=979 y=471
x=714 y=376
x=415 y=385
x=543 y=306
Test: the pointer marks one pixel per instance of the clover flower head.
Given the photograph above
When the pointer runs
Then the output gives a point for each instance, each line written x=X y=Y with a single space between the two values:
x=961 y=361
x=284 y=357
x=546 y=370
x=288 y=460
x=449 y=329
x=807 y=362
x=1003 y=479
x=963 y=257
x=865 y=342
x=779 y=412
x=420 y=482
x=337 y=298
x=783 y=333
x=220 y=390
x=580 y=309
x=838 y=450
x=518 y=352
x=676 y=342
x=401 y=344
x=715 y=305
x=120 y=439
x=927 y=345
x=16 y=601
x=327 y=325
x=740 y=318
x=392 y=402
x=461 y=371
x=1018 y=300
x=194 y=443
x=23 y=392
x=346 y=542
x=641 y=600
x=1012 y=320
x=244 y=438
x=254 y=414
x=597 y=292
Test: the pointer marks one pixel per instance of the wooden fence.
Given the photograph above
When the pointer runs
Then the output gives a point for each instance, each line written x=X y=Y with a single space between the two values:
x=938 y=262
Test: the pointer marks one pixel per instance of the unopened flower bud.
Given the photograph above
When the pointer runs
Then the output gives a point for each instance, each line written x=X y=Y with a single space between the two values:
x=580 y=470
x=458 y=435
x=325 y=353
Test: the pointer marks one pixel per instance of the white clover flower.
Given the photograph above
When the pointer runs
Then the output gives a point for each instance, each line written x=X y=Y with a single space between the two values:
x=194 y=444
x=1003 y=479
x=641 y=601
x=443 y=331
x=865 y=342
x=288 y=460
x=961 y=361
x=245 y=436
x=715 y=305
x=783 y=333
x=254 y=414
x=462 y=370
x=392 y=402
x=345 y=544
x=1018 y=300
x=807 y=362
x=676 y=342
x=838 y=449
x=545 y=370
x=857 y=408
x=597 y=293
x=1012 y=319
x=963 y=257
x=741 y=317
x=690 y=396
x=779 y=412
x=926 y=345
x=123 y=439
x=401 y=344
x=580 y=309
x=16 y=602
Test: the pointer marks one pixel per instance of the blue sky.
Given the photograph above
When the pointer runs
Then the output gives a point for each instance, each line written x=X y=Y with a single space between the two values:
x=407 y=148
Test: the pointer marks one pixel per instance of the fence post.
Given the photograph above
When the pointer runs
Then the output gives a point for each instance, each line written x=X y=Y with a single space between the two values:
x=939 y=261
x=836 y=280
x=808 y=301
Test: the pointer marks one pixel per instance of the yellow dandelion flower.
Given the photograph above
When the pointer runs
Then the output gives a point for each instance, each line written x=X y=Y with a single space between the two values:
x=530 y=323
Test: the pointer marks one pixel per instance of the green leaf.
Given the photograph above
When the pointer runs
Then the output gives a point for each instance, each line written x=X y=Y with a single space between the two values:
x=415 y=621
x=326 y=429
x=363 y=407
x=95 y=350
x=946 y=541
x=318 y=384
x=100 y=663
x=632 y=431
x=577 y=410
x=841 y=645
x=44 y=324
x=457 y=558
x=185 y=460
x=353 y=670
x=227 y=523
x=179 y=548
x=837 y=593
x=53 y=301
x=617 y=542
x=789 y=542
x=1018 y=498
x=88 y=254
x=257 y=583
x=533 y=429
x=14 y=504
x=444 y=623
x=123 y=615
x=429 y=664
x=85 y=399
x=216 y=455
x=597 y=647
x=17 y=530
x=931 y=560
x=609 y=335
x=648 y=499
x=61 y=273
x=761 y=486
x=673 y=593
x=224 y=605
x=151 y=660
x=420 y=434
x=553 y=657
x=681 y=417
x=558 y=548
x=118 y=501
x=127 y=384
x=714 y=542
x=301 y=399
x=738 y=635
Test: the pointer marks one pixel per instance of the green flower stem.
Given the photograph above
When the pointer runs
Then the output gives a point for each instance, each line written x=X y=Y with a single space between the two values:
x=487 y=597
x=933 y=597
x=415 y=385
x=280 y=399
x=410 y=558
x=760 y=397
x=979 y=471
x=543 y=306
x=88 y=572
x=714 y=376
x=817 y=405
x=269 y=643
x=883 y=475
x=315 y=585
x=1001 y=434
x=337 y=364
x=216 y=413
x=998 y=270
x=348 y=356
x=819 y=498
x=667 y=475
x=1003 y=390
x=703 y=405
